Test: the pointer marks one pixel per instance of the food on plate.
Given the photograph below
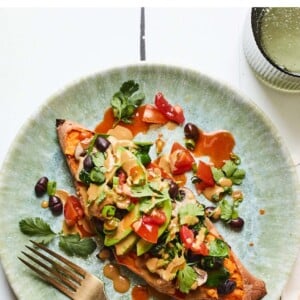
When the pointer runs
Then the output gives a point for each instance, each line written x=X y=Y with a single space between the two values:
x=154 y=225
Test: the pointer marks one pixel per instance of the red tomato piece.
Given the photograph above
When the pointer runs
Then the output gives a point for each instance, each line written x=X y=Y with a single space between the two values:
x=186 y=236
x=172 y=113
x=205 y=174
x=181 y=160
x=73 y=211
x=200 y=249
x=164 y=174
x=153 y=115
x=148 y=232
x=157 y=217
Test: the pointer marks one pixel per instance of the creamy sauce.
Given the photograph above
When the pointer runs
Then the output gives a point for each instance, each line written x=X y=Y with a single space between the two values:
x=104 y=254
x=211 y=191
x=121 y=283
x=217 y=145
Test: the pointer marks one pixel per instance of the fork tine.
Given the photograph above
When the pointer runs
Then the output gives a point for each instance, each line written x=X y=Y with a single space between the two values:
x=78 y=269
x=52 y=271
x=56 y=265
x=49 y=279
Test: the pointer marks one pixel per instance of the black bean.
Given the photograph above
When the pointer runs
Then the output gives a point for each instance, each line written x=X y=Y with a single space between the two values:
x=102 y=143
x=88 y=163
x=192 y=257
x=227 y=287
x=173 y=189
x=41 y=186
x=55 y=205
x=191 y=131
x=237 y=223
x=98 y=224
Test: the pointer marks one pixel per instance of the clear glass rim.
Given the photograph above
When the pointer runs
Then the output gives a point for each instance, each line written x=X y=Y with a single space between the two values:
x=257 y=14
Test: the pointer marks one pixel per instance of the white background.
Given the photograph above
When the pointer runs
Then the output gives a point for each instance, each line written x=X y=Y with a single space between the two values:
x=42 y=50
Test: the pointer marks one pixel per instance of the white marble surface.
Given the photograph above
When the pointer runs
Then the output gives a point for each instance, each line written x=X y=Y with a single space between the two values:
x=42 y=50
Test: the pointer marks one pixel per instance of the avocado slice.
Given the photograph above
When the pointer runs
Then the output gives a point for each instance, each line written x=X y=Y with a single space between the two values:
x=143 y=246
x=126 y=244
x=124 y=228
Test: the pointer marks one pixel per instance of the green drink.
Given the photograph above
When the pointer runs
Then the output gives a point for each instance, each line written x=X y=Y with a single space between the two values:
x=271 y=42
x=280 y=37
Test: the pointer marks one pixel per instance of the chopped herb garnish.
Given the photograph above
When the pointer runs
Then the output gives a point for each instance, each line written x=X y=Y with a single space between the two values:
x=217 y=277
x=229 y=168
x=190 y=210
x=218 y=248
x=37 y=227
x=72 y=244
x=126 y=101
x=186 y=278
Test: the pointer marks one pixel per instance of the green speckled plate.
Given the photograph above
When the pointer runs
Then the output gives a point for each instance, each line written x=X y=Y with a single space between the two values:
x=271 y=183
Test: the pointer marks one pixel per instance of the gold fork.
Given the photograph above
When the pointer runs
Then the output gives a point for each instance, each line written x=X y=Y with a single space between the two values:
x=67 y=277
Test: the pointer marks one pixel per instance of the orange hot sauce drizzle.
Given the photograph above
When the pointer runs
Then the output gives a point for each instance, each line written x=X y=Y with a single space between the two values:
x=218 y=145
x=135 y=127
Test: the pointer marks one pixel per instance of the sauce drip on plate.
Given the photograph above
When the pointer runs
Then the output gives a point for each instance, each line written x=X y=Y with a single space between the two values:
x=137 y=125
x=218 y=145
x=121 y=283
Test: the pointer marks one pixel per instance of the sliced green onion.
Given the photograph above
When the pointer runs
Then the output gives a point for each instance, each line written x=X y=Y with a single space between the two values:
x=51 y=188
x=97 y=176
x=108 y=211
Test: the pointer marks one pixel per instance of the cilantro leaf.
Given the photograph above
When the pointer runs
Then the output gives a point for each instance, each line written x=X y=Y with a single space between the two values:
x=126 y=101
x=218 y=248
x=217 y=173
x=72 y=244
x=229 y=168
x=37 y=227
x=229 y=211
x=217 y=277
x=186 y=278
x=190 y=210
x=238 y=176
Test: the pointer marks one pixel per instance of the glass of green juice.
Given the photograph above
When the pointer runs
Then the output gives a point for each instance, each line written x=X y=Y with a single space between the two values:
x=271 y=43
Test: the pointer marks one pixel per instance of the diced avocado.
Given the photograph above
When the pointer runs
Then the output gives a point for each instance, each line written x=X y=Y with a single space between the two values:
x=126 y=244
x=143 y=246
x=124 y=228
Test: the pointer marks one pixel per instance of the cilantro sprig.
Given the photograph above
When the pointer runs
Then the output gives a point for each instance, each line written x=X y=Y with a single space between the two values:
x=38 y=228
x=71 y=244
x=186 y=278
x=126 y=101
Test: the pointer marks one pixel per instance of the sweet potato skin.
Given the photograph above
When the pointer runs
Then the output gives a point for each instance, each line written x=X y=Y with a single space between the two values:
x=253 y=288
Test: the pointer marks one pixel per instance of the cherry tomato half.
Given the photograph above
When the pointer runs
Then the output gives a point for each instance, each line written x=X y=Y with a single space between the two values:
x=73 y=211
x=157 y=217
x=148 y=232
x=181 y=160
x=153 y=115
x=186 y=236
x=172 y=113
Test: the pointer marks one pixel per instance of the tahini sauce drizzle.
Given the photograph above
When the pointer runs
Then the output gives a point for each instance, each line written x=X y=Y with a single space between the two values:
x=121 y=283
